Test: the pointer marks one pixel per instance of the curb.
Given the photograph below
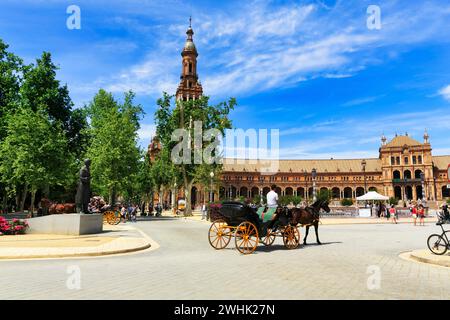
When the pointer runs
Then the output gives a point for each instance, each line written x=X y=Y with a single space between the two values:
x=150 y=244
x=429 y=258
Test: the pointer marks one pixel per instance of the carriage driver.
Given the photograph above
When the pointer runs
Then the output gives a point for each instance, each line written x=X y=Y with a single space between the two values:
x=272 y=202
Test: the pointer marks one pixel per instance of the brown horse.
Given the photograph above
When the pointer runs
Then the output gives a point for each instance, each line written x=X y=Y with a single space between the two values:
x=58 y=208
x=309 y=216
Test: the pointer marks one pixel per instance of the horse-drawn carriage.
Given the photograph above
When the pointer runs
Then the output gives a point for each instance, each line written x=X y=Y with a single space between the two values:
x=249 y=226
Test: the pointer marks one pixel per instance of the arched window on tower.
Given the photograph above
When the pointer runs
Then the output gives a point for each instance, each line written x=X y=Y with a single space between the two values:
x=420 y=159
x=190 y=67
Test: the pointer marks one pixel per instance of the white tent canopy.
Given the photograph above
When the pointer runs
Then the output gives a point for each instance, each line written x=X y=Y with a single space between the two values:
x=372 y=195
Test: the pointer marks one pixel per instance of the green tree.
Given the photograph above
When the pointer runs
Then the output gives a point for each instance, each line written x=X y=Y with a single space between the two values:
x=183 y=115
x=33 y=153
x=113 y=145
x=324 y=194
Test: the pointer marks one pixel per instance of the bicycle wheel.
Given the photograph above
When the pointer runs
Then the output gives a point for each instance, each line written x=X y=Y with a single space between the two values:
x=437 y=244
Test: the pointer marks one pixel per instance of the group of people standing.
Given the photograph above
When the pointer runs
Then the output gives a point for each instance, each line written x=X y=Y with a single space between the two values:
x=128 y=213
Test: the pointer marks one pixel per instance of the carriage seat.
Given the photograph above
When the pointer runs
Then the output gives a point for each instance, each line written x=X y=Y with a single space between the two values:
x=266 y=215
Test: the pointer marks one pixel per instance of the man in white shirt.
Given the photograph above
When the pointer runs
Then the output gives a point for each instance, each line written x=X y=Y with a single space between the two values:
x=272 y=202
x=272 y=197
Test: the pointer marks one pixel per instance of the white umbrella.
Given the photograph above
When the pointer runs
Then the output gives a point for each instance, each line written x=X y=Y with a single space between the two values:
x=372 y=195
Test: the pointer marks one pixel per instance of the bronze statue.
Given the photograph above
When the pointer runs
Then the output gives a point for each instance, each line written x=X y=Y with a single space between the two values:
x=84 y=188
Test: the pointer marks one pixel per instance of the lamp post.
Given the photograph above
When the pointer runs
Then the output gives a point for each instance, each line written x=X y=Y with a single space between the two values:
x=422 y=180
x=314 y=175
x=363 y=167
x=211 y=200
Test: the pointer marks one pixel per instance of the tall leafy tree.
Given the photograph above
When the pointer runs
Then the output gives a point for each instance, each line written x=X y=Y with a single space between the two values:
x=32 y=153
x=183 y=115
x=113 y=145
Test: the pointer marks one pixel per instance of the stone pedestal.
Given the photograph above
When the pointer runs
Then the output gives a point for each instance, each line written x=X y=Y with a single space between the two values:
x=66 y=224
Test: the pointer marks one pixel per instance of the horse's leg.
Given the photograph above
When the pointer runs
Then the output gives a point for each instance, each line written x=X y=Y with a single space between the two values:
x=306 y=235
x=316 y=228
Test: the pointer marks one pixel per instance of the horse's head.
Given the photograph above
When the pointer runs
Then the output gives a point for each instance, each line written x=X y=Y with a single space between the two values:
x=324 y=206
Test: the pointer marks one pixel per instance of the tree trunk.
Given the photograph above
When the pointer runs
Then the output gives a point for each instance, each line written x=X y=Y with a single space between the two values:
x=33 y=197
x=5 y=202
x=187 y=194
x=24 y=197
x=112 y=196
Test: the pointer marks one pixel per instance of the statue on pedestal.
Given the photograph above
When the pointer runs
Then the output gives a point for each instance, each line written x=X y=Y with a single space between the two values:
x=84 y=188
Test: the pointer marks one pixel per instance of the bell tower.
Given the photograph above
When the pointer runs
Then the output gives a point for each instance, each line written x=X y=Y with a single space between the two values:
x=190 y=87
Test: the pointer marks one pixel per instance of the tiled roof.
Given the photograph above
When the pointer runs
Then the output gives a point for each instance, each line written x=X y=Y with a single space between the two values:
x=299 y=166
x=441 y=162
x=400 y=141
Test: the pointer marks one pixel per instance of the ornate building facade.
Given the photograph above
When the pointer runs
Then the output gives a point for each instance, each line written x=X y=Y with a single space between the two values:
x=405 y=169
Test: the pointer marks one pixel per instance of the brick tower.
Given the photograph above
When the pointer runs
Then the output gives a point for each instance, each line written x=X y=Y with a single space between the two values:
x=189 y=88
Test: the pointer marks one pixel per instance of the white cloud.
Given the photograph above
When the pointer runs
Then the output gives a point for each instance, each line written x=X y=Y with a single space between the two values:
x=445 y=92
x=262 y=46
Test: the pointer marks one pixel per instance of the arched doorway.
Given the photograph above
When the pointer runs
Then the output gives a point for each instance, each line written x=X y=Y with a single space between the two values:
x=311 y=192
x=233 y=192
x=289 y=191
x=419 y=192
x=348 y=193
x=417 y=174
x=373 y=189
x=301 y=192
x=278 y=191
x=266 y=190
x=398 y=192
x=336 y=193
x=360 y=191
x=409 y=192
x=243 y=192
x=255 y=191
x=397 y=174
x=407 y=174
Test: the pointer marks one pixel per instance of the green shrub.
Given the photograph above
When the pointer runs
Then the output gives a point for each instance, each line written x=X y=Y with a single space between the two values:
x=393 y=201
x=346 y=202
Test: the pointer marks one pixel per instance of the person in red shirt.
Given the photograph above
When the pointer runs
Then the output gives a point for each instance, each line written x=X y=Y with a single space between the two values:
x=414 y=214
x=421 y=214
x=393 y=214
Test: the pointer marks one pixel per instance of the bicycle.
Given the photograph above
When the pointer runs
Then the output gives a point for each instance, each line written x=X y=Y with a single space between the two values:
x=439 y=243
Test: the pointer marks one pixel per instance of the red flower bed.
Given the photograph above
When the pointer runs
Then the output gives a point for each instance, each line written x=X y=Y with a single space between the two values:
x=13 y=227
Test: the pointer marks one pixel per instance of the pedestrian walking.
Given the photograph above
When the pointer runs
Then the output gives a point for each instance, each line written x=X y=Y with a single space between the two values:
x=414 y=214
x=421 y=215
x=204 y=211
x=133 y=213
x=393 y=213
x=123 y=214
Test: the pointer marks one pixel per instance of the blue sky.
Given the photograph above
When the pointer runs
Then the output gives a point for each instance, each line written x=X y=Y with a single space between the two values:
x=311 y=69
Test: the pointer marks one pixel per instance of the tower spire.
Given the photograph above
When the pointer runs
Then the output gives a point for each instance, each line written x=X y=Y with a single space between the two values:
x=189 y=87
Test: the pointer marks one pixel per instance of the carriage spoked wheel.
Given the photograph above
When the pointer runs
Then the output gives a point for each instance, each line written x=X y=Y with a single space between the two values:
x=246 y=237
x=291 y=237
x=269 y=238
x=111 y=218
x=219 y=235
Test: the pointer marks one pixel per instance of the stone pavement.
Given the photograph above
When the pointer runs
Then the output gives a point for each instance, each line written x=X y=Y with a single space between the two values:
x=426 y=256
x=355 y=262
x=122 y=238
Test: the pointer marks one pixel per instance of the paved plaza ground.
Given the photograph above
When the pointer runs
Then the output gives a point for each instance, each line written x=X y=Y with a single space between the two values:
x=186 y=267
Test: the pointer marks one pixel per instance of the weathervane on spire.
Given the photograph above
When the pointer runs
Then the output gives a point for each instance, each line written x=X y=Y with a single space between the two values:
x=190 y=21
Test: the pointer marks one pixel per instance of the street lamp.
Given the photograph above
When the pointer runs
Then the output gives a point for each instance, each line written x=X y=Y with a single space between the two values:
x=314 y=175
x=422 y=180
x=363 y=167
x=211 y=195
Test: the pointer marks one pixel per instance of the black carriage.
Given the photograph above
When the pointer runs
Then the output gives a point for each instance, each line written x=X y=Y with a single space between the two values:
x=249 y=227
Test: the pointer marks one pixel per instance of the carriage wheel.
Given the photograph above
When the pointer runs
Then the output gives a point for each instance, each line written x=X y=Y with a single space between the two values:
x=269 y=239
x=291 y=237
x=111 y=218
x=246 y=237
x=219 y=235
